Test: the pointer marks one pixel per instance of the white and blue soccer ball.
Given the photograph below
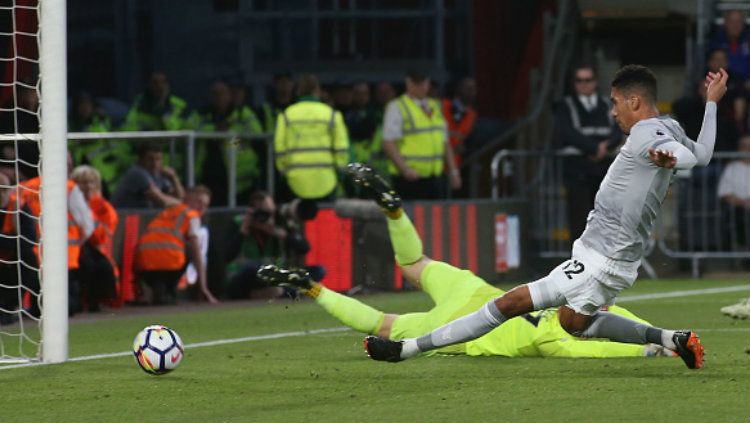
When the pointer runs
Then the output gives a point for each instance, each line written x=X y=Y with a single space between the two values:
x=158 y=349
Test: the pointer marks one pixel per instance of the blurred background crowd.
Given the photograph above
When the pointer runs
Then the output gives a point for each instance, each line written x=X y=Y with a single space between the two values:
x=425 y=91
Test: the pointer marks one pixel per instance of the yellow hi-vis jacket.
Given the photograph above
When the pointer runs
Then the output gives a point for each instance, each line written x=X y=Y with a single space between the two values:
x=310 y=142
x=423 y=142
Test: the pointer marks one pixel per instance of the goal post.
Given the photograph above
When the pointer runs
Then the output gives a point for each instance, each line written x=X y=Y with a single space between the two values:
x=54 y=173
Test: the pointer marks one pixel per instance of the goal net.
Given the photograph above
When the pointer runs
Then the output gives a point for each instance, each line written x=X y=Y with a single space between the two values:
x=33 y=178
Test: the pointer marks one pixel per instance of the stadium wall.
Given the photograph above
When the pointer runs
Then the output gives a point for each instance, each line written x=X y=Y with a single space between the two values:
x=484 y=236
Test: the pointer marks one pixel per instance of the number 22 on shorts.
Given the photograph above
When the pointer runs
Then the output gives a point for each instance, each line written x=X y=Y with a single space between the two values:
x=573 y=267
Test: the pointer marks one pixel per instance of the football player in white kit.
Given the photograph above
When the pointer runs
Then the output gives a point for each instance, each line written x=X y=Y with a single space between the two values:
x=605 y=259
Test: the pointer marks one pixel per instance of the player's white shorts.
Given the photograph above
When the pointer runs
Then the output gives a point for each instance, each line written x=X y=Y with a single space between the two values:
x=586 y=282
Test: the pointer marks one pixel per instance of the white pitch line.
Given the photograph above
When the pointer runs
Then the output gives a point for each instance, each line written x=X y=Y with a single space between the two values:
x=657 y=295
x=196 y=345
x=687 y=293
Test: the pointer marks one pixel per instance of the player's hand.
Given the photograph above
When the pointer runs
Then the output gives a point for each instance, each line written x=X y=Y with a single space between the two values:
x=662 y=158
x=410 y=174
x=716 y=85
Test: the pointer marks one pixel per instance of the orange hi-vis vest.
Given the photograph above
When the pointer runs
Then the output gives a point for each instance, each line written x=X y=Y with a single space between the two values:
x=29 y=196
x=105 y=225
x=162 y=246
x=458 y=131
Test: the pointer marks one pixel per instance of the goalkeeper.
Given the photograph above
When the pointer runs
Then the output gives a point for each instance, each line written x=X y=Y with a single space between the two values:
x=455 y=293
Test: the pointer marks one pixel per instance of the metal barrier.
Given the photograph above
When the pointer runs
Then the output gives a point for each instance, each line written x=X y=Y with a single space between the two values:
x=537 y=177
x=694 y=224
x=189 y=138
x=701 y=225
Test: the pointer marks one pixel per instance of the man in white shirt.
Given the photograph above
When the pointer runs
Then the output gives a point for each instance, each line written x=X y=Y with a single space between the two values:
x=734 y=192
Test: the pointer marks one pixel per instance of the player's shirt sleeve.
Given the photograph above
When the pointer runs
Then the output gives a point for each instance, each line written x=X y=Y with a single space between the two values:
x=644 y=137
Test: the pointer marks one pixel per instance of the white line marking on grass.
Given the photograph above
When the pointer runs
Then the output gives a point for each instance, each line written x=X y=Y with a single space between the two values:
x=197 y=345
x=657 y=295
x=687 y=293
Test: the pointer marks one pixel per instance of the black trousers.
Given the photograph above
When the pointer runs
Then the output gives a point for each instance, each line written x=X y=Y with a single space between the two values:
x=433 y=188
x=163 y=284
x=96 y=276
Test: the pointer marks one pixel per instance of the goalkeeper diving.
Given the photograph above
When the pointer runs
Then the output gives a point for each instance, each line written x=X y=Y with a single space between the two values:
x=455 y=292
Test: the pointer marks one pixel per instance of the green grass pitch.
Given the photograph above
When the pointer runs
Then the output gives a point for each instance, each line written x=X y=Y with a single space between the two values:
x=326 y=377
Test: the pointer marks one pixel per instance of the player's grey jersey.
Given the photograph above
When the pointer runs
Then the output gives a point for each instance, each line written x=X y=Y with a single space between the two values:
x=631 y=194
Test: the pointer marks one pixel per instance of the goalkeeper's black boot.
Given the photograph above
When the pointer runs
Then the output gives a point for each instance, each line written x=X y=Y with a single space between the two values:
x=382 y=349
x=689 y=348
x=297 y=279
x=374 y=186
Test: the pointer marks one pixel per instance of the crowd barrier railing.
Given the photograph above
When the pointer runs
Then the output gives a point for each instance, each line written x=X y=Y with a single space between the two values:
x=188 y=139
x=695 y=223
x=701 y=224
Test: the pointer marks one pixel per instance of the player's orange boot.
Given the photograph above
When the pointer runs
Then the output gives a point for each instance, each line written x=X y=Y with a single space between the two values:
x=689 y=348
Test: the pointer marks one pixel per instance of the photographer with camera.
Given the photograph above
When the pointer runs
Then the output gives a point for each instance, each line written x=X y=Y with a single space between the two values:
x=265 y=235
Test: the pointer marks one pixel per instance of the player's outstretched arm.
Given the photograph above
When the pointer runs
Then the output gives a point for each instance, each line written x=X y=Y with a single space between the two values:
x=716 y=87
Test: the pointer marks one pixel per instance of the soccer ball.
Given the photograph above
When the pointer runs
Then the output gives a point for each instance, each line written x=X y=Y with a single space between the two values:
x=158 y=349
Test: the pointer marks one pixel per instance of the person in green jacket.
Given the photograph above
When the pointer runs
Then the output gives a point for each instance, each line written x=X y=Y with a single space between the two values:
x=156 y=109
x=221 y=115
x=110 y=157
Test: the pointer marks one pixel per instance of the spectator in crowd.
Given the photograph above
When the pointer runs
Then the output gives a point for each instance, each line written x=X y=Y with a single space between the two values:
x=460 y=115
x=587 y=132
x=97 y=270
x=343 y=97
x=110 y=157
x=415 y=140
x=736 y=104
x=148 y=183
x=255 y=240
x=160 y=259
x=264 y=235
x=80 y=226
x=734 y=192
x=363 y=122
x=735 y=40
x=13 y=248
x=384 y=93
x=86 y=117
x=220 y=115
x=156 y=109
x=311 y=144
x=688 y=111
x=239 y=95
x=280 y=97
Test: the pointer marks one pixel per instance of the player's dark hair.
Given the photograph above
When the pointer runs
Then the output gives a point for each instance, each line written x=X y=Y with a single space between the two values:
x=636 y=78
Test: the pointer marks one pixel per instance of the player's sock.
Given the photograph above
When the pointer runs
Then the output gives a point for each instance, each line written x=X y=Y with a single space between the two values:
x=466 y=328
x=621 y=329
x=404 y=238
x=347 y=310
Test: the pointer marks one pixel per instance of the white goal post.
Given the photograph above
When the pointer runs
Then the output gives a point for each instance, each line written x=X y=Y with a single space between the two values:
x=54 y=128
x=35 y=63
